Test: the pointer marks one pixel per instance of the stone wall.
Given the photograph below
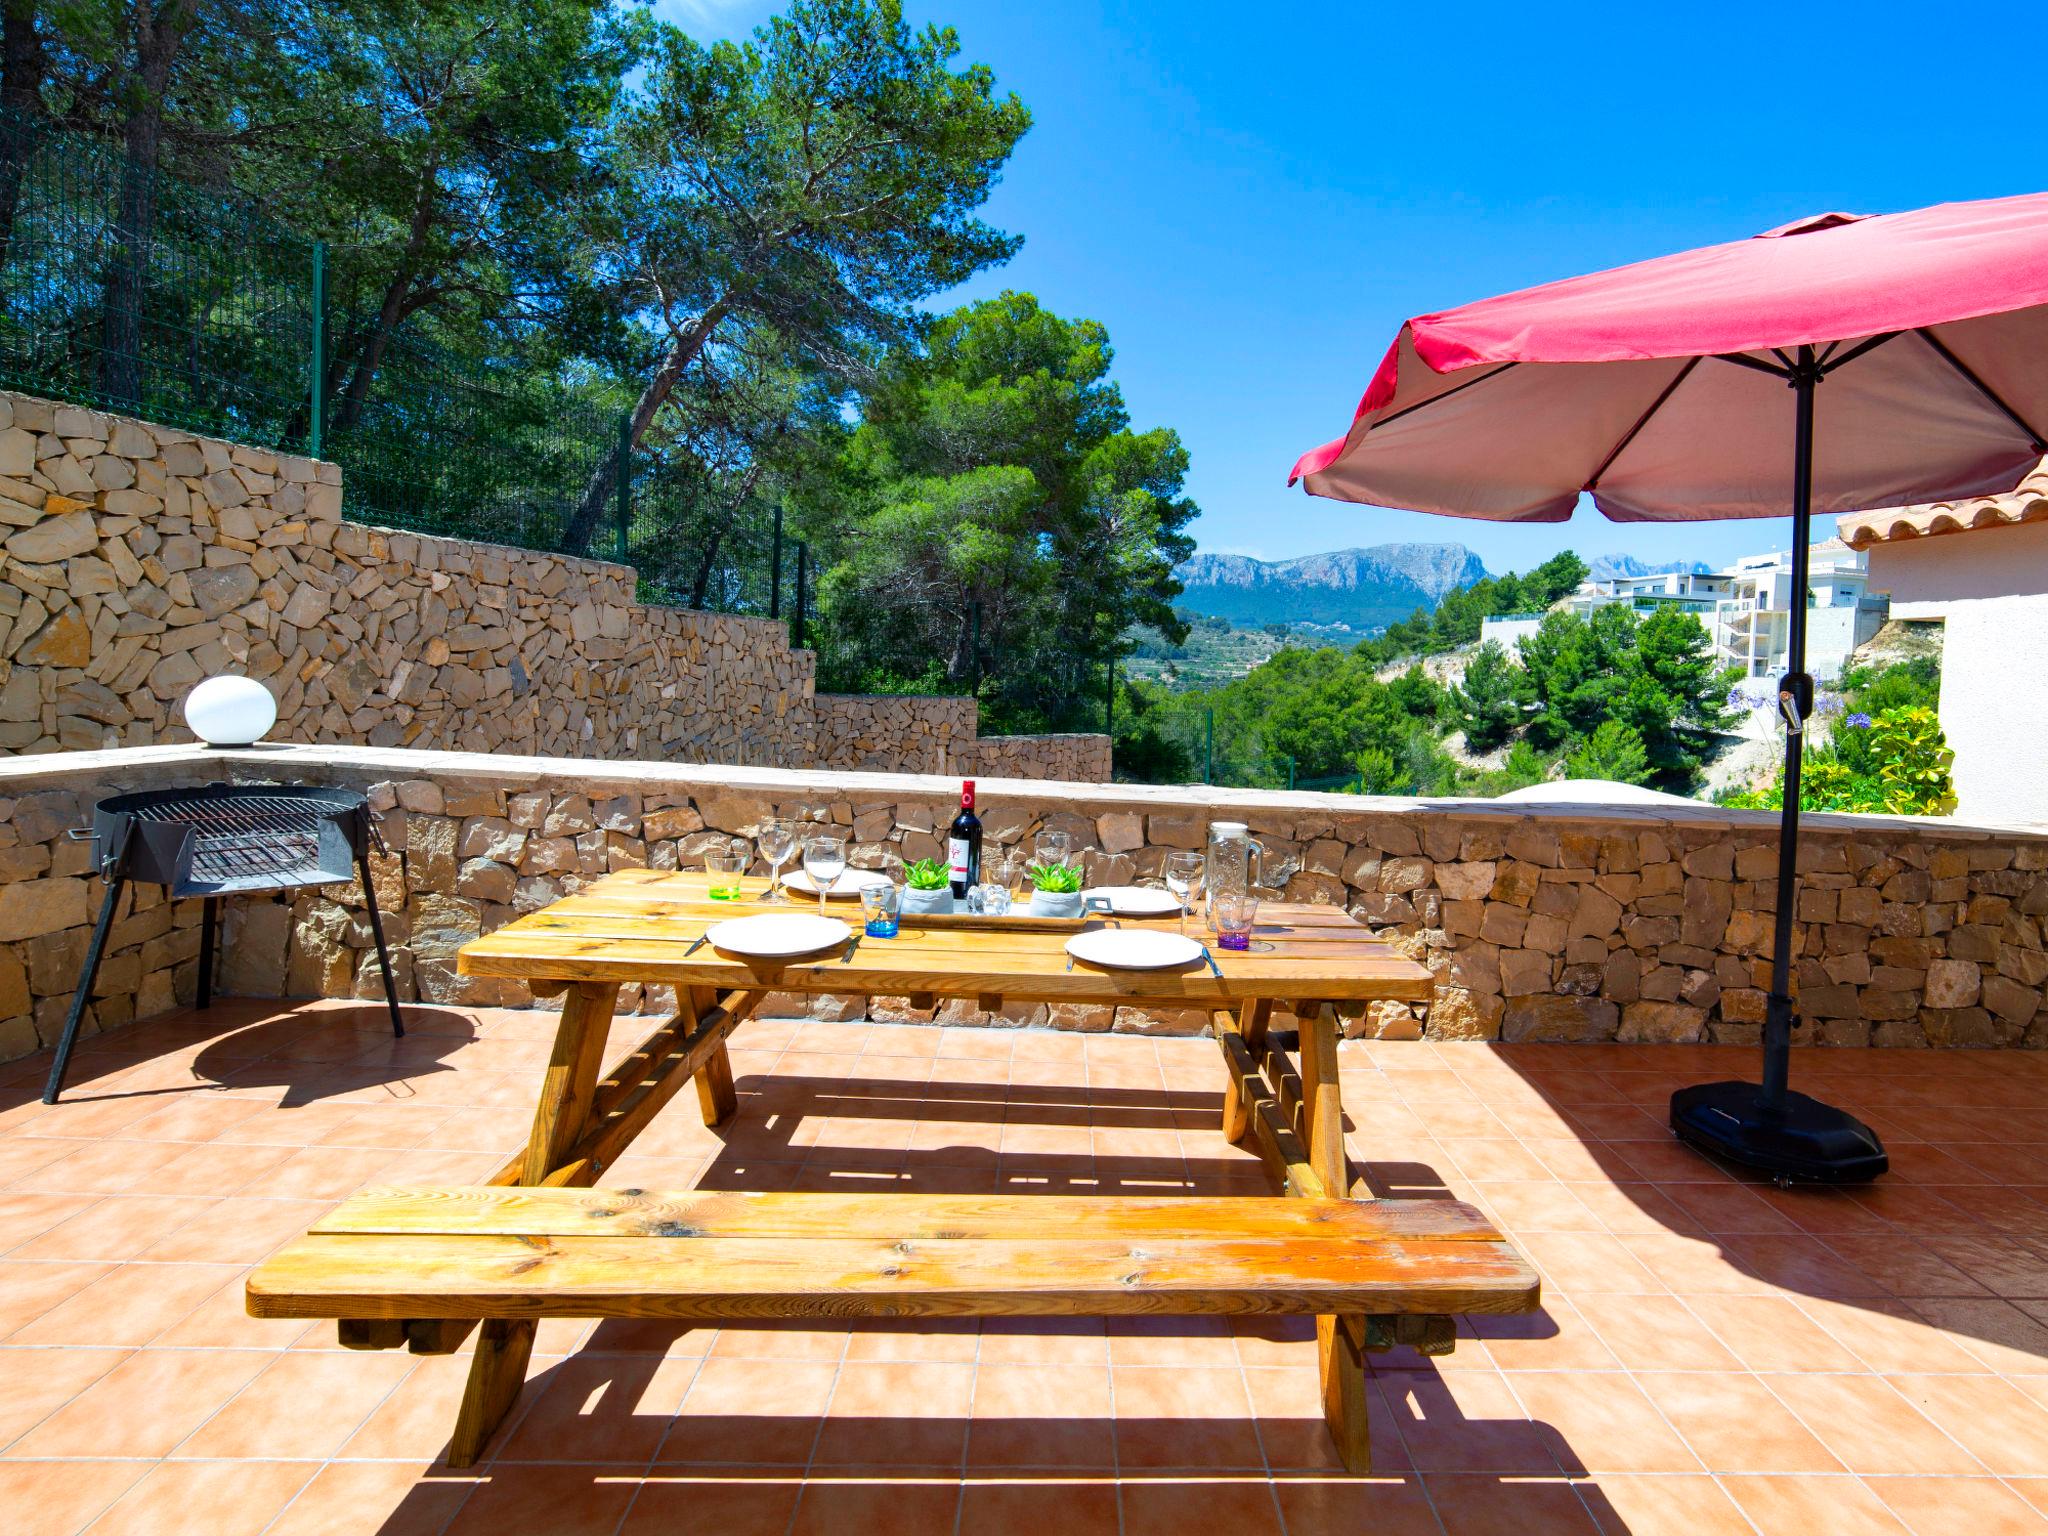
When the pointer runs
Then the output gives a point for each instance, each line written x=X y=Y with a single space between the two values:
x=136 y=559
x=1076 y=757
x=1547 y=922
x=887 y=733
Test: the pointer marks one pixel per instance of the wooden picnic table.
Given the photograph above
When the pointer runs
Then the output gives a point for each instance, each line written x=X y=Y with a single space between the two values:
x=1390 y=1273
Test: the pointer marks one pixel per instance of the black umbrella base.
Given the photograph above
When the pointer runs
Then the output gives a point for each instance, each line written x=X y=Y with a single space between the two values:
x=1801 y=1141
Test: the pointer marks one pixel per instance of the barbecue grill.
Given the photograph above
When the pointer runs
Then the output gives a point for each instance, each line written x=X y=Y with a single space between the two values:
x=225 y=840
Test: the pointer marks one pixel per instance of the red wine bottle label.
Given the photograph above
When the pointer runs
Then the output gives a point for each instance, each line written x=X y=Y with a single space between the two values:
x=959 y=857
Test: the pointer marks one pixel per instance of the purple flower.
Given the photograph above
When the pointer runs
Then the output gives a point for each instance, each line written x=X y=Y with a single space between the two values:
x=1858 y=721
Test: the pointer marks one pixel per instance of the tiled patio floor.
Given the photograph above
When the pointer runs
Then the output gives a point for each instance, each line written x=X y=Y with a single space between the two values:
x=1713 y=1356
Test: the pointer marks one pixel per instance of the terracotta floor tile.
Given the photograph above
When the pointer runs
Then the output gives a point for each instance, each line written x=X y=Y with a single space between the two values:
x=221 y=1498
x=1540 y=1205
x=391 y=1498
x=887 y=1504
x=1038 y=1507
x=898 y=1414
x=1204 y=1341
x=1348 y=1506
x=128 y=1304
x=1772 y=1333
x=117 y=1227
x=1466 y=1421
x=1647 y=1506
x=754 y=1501
x=60 y=1499
x=1653 y=1333
x=103 y=1167
x=305 y=1404
x=1888 y=1335
x=1840 y=1506
x=1870 y=1427
x=41 y=1381
x=1998 y=1333
x=599 y=1408
x=1288 y=1405
x=1585 y=1262
x=932 y=1339
x=1192 y=1416
x=26 y=1216
x=1556 y=1338
x=560 y=1500
x=414 y=1421
x=1958 y=1506
x=1471 y=1505
x=2005 y=1428
x=751 y=1411
x=1597 y=1422
x=1053 y=1416
x=1199 y=1507
x=773 y=1341
x=1734 y=1423
x=1043 y=1341
x=146 y=1405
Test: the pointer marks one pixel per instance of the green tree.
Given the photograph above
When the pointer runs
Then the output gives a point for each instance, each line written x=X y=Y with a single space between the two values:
x=1614 y=751
x=1490 y=701
x=1001 y=519
x=821 y=179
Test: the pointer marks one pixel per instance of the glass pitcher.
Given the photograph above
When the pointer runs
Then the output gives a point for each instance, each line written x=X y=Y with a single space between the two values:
x=1236 y=860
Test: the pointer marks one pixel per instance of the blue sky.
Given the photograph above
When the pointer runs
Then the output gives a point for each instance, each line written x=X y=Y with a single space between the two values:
x=1252 y=198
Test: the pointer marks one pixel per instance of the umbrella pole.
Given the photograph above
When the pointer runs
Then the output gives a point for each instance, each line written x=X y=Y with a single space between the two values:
x=1795 y=703
x=1792 y=1138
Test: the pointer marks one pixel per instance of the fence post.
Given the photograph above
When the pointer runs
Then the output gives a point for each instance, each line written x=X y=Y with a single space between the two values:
x=1290 y=773
x=1109 y=698
x=625 y=480
x=775 y=568
x=974 y=646
x=1209 y=748
x=316 y=431
x=803 y=559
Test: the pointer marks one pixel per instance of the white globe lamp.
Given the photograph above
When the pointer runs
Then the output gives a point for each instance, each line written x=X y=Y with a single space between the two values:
x=230 y=711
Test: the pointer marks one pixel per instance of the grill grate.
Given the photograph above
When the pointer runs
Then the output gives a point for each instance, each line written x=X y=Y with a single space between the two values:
x=246 y=839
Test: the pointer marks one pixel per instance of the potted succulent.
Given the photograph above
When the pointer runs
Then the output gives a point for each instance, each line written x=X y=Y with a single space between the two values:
x=1055 y=890
x=927 y=886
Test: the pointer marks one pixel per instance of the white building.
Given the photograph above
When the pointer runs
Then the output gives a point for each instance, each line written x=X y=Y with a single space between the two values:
x=1745 y=609
x=1751 y=623
x=1981 y=568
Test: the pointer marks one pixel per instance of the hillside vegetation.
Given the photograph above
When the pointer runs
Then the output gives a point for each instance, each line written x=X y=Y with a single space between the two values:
x=1615 y=697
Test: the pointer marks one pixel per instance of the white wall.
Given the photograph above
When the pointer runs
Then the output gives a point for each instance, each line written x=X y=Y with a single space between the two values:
x=1990 y=587
x=1510 y=633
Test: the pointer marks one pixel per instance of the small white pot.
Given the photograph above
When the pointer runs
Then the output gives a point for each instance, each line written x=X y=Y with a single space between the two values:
x=915 y=900
x=1055 y=903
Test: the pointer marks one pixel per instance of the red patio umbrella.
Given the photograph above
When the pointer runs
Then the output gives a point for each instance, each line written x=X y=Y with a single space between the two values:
x=1835 y=364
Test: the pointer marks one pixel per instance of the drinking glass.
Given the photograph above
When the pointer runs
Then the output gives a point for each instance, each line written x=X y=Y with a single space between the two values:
x=725 y=866
x=1235 y=912
x=1183 y=873
x=824 y=862
x=1052 y=847
x=778 y=842
x=879 y=905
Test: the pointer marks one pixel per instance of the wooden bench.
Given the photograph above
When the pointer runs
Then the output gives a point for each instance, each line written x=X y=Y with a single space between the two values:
x=1382 y=1272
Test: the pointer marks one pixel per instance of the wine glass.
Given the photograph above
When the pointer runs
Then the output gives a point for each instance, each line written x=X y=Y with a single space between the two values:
x=1052 y=847
x=1183 y=872
x=824 y=862
x=778 y=842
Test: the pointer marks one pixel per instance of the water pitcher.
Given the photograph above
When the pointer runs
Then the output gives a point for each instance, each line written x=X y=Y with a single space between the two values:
x=1236 y=860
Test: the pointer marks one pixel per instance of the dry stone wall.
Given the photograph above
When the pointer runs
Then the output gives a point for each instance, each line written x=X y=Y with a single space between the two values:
x=136 y=559
x=1628 y=924
x=1077 y=757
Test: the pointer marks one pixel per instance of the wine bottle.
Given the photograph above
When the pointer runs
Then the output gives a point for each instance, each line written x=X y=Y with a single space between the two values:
x=963 y=844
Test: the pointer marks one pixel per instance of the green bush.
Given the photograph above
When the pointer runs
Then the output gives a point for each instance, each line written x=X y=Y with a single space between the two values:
x=1898 y=765
x=1614 y=751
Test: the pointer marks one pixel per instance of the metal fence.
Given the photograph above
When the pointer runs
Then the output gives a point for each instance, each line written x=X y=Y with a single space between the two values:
x=153 y=297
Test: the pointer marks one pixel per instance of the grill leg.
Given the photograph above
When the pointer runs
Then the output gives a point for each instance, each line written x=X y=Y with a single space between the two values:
x=86 y=977
x=383 y=954
x=209 y=923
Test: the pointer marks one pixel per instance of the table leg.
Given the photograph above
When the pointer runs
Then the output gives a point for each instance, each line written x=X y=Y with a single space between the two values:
x=504 y=1345
x=716 y=1097
x=1322 y=1114
x=1251 y=1021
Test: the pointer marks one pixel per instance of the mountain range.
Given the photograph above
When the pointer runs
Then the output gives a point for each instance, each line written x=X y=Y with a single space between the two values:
x=1607 y=567
x=1360 y=588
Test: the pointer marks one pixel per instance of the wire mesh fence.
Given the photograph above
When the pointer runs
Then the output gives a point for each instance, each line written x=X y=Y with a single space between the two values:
x=132 y=291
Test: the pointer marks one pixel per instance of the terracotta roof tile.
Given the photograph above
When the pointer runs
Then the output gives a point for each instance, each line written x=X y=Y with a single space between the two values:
x=2026 y=504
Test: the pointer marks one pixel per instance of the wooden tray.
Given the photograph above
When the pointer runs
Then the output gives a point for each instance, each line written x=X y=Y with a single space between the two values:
x=1012 y=921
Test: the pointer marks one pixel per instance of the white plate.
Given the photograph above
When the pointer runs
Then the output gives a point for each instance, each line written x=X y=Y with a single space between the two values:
x=851 y=883
x=1136 y=900
x=1133 y=949
x=777 y=935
